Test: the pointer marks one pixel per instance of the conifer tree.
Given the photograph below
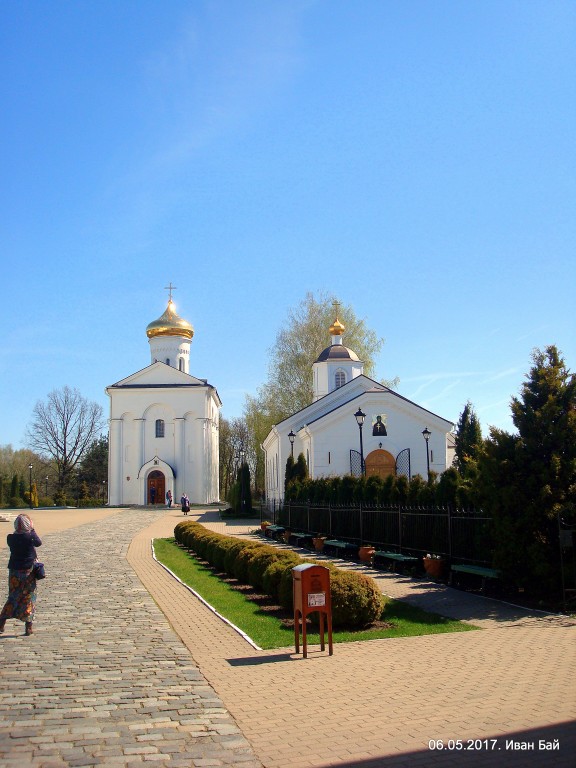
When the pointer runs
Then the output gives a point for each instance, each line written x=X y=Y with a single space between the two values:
x=289 y=473
x=468 y=439
x=245 y=490
x=300 y=468
x=527 y=478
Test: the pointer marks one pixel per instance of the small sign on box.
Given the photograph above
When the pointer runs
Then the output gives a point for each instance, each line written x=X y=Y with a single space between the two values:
x=316 y=599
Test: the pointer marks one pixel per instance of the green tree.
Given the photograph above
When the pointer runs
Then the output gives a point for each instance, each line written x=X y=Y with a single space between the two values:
x=62 y=429
x=300 y=472
x=94 y=467
x=245 y=489
x=526 y=478
x=468 y=442
x=240 y=492
x=289 y=473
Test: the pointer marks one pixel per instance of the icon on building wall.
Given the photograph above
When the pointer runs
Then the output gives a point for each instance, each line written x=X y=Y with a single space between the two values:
x=379 y=425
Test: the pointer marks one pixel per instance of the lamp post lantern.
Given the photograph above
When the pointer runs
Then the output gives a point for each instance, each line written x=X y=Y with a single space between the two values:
x=360 y=416
x=291 y=437
x=30 y=468
x=426 y=435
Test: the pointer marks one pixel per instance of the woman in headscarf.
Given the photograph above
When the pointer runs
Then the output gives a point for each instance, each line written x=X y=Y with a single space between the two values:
x=21 y=602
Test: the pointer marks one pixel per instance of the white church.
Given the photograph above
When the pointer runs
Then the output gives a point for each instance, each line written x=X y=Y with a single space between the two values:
x=164 y=424
x=396 y=436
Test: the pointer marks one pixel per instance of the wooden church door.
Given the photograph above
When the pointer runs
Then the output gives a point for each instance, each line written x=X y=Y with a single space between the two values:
x=380 y=463
x=156 y=487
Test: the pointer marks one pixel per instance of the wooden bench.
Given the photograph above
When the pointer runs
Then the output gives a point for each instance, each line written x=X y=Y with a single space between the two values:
x=393 y=557
x=274 y=531
x=340 y=548
x=476 y=570
x=301 y=540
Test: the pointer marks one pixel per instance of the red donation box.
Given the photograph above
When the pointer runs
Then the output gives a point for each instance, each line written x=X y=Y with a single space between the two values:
x=311 y=587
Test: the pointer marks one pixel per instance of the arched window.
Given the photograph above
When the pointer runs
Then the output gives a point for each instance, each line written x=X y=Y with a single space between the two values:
x=340 y=379
x=181 y=364
x=159 y=427
x=167 y=361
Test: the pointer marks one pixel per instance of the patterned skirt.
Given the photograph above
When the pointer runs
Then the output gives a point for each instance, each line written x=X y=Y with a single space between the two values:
x=21 y=603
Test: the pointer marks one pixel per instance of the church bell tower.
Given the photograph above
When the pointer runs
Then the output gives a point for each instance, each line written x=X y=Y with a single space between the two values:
x=170 y=337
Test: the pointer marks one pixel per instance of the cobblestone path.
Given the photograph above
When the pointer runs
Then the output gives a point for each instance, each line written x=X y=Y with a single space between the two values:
x=105 y=680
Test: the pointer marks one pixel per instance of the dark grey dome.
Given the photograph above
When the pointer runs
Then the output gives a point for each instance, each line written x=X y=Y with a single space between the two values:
x=337 y=352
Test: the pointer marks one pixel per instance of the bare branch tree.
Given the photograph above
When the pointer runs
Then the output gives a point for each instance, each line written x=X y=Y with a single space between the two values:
x=234 y=438
x=62 y=428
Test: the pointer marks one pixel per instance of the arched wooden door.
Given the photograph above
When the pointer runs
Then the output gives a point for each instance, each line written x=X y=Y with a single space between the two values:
x=156 y=487
x=380 y=463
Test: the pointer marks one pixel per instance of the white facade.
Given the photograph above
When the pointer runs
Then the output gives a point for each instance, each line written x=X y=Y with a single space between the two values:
x=326 y=431
x=164 y=426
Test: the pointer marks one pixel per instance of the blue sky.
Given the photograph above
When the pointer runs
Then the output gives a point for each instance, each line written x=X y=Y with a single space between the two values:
x=414 y=158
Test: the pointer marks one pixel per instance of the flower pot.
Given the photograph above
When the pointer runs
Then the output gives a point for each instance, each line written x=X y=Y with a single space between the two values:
x=318 y=542
x=263 y=526
x=434 y=566
x=365 y=554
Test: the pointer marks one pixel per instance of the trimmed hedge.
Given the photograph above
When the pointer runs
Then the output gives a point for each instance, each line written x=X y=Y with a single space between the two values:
x=356 y=600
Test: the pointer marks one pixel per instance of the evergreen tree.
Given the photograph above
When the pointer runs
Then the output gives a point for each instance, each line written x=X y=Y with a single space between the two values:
x=289 y=473
x=94 y=466
x=468 y=439
x=14 y=487
x=245 y=490
x=300 y=468
x=526 y=479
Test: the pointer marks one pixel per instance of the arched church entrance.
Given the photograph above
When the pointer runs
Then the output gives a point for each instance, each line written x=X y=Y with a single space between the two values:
x=380 y=463
x=155 y=487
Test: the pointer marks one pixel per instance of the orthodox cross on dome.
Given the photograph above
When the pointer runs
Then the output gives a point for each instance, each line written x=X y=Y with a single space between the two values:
x=336 y=305
x=170 y=288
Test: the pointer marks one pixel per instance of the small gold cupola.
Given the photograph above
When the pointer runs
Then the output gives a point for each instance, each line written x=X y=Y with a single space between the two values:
x=170 y=324
x=337 y=329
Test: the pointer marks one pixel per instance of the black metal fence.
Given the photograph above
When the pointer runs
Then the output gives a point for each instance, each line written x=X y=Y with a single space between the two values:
x=461 y=535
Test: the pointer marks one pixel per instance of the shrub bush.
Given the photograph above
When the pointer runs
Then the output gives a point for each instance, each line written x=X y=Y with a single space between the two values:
x=273 y=573
x=263 y=557
x=356 y=599
x=243 y=560
x=232 y=552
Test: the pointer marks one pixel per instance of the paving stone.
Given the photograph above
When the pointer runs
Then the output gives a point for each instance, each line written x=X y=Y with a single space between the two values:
x=104 y=665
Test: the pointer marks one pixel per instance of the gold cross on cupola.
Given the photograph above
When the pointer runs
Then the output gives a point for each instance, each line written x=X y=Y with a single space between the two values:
x=170 y=288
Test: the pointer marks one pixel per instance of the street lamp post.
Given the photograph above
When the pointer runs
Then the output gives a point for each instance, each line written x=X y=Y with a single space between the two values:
x=291 y=437
x=104 y=491
x=360 y=416
x=46 y=486
x=30 y=468
x=426 y=435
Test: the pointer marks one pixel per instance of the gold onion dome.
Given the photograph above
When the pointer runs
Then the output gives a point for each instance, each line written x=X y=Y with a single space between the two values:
x=169 y=324
x=337 y=329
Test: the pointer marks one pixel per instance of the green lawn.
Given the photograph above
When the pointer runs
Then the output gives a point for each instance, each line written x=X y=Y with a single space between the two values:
x=267 y=631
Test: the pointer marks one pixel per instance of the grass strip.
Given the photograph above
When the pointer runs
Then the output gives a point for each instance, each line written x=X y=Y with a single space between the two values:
x=267 y=631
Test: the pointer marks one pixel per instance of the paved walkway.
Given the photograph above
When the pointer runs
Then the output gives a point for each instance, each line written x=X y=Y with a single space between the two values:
x=104 y=680
x=376 y=704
